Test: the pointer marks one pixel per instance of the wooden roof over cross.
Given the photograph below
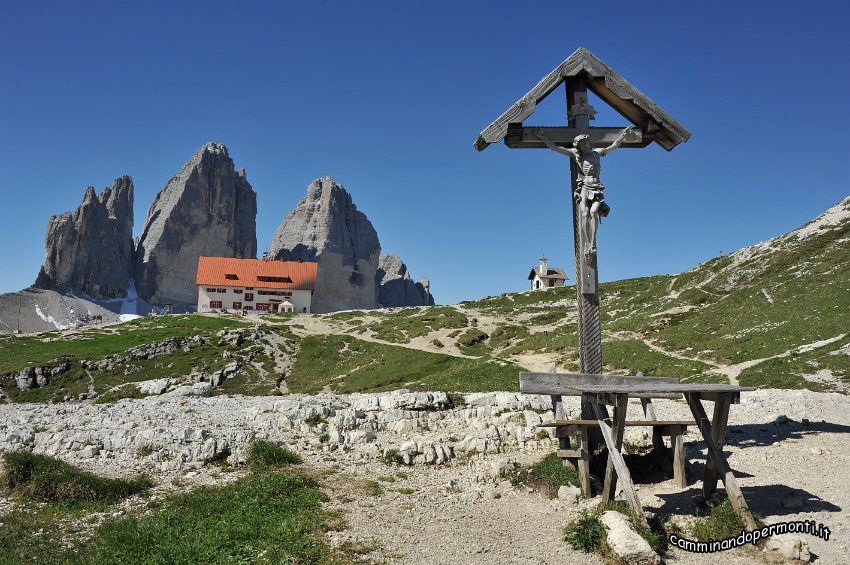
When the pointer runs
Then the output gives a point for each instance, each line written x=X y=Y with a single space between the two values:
x=655 y=124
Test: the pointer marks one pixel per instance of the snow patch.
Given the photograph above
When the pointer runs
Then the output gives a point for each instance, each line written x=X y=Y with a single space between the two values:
x=128 y=317
x=49 y=319
x=129 y=304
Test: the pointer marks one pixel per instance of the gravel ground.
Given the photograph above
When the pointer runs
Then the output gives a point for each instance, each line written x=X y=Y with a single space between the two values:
x=789 y=450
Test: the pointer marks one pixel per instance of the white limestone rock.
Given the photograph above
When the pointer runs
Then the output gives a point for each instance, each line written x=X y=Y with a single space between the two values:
x=155 y=386
x=569 y=493
x=786 y=546
x=625 y=542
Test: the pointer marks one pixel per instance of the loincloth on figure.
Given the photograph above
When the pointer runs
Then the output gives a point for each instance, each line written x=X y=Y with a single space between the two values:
x=595 y=193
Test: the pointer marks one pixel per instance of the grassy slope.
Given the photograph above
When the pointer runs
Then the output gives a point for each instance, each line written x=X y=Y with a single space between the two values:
x=760 y=302
x=347 y=364
x=49 y=349
x=271 y=515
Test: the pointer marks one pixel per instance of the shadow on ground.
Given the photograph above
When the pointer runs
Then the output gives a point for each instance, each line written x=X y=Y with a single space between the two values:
x=755 y=435
x=765 y=500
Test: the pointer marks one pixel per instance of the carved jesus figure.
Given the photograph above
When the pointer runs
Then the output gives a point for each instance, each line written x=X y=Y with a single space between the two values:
x=589 y=192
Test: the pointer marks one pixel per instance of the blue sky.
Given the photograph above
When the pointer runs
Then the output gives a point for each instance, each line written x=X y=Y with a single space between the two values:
x=388 y=97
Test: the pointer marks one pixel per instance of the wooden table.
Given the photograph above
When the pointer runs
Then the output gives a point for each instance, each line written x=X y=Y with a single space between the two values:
x=605 y=390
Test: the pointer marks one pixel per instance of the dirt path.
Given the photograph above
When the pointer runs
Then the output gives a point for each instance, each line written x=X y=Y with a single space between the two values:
x=456 y=514
x=734 y=370
x=283 y=354
x=314 y=325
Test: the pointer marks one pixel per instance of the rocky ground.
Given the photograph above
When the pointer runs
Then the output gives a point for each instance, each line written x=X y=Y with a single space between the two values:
x=418 y=477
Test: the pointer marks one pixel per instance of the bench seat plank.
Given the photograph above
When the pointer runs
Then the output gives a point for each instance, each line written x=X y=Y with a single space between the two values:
x=653 y=423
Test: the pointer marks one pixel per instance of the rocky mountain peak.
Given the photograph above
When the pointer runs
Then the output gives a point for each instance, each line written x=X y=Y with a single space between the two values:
x=206 y=209
x=396 y=287
x=91 y=250
x=327 y=227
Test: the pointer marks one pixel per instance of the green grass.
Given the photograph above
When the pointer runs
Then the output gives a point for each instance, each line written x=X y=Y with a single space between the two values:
x=120 y=393
x=17 y=352
x=635 y=356
x=208 y=358
x=402 y=325
x=95 y=344
x=41 y=478
x=347 y=364
x=272 y=515
x=266 y=517
x=788 y=372
x=561 y=339
x=792 y=293
x=506 y=335
x=73 y=382
x=513 y=303
x=472 y=341
x=263 y=453
x=374 y=488
x=35 y=533
x=547 y=475
x=721 y=522
x=586 y=532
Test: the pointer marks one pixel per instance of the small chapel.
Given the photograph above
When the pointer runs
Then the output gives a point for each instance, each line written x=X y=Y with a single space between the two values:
x=544 y=276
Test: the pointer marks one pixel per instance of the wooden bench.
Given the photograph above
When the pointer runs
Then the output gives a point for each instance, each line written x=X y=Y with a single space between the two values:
x=577 y=430
x=600 y=391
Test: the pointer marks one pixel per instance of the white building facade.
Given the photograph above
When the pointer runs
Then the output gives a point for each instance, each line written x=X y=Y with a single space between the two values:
x=544 y=276
x=253 y=285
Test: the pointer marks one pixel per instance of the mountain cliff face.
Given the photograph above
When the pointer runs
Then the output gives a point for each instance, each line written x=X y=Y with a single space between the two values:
x=207 y=209
x=327 y=227
x=91 y=249
x=395 y=286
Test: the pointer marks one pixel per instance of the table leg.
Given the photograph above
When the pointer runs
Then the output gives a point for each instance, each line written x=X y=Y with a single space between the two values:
x=718 y=434
x=558 y=414
x=609 y=487
x=584 y=462
x=614 y=455
x=677 y=441
x=737 y=499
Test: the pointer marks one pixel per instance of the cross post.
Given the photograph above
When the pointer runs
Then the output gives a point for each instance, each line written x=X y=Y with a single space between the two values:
x=580 y=72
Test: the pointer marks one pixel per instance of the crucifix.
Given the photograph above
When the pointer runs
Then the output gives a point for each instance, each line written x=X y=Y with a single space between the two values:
x=585 y=145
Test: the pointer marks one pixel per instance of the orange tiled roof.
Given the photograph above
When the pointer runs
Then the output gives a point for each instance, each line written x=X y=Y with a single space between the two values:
x=212 y=271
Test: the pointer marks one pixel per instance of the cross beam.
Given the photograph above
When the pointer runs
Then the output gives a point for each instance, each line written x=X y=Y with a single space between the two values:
x=523 y=137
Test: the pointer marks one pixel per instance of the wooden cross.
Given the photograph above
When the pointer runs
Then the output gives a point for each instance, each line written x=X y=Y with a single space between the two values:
x=583 y=72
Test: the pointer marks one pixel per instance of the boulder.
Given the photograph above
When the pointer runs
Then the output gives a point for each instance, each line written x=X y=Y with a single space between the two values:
x=327 y=227
x=395 y=286
x=786 y=546
x=155 y=386
x=625 y=542
x=569 y=493
x=91 y=250
x=207 y=209
x=502 y=469
x=25 y=379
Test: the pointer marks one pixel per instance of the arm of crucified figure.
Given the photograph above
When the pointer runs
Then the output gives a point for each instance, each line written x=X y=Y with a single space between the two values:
x=568 y=151
x=617 y=142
